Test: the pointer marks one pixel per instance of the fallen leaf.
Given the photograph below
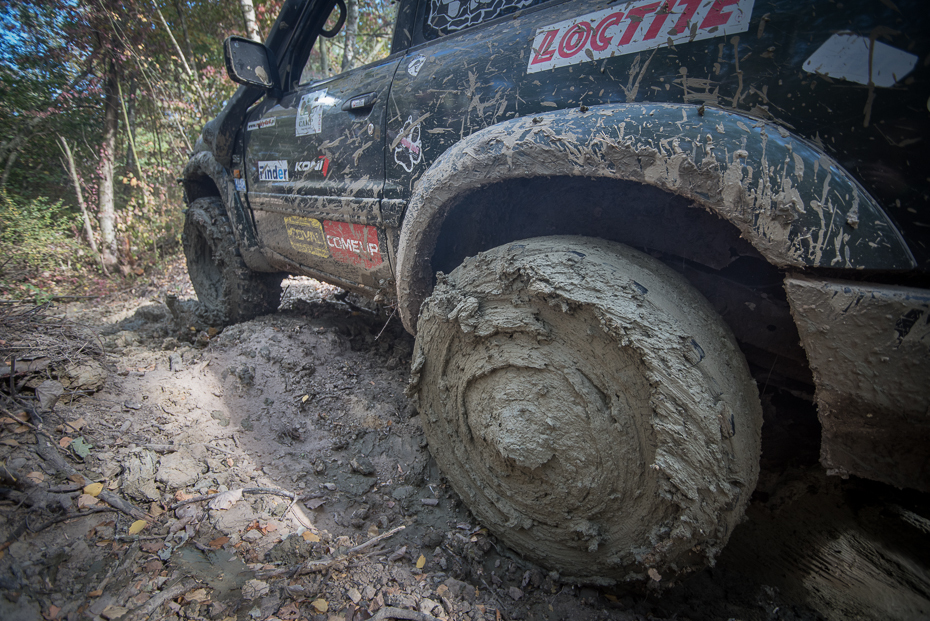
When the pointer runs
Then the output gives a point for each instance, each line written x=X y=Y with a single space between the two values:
x=304 y=398
x=52 y=613
x=113 y=612
x=373 y=530
x=211 y=331
x=95 y=593
x=86 y=500
x=137 y=527
x=219 y=542
x=77 y=478
x=65 y=442
x=230 y=462
x=421 y=562
x=308 y=536
x=9 y=442
x=611 y=598
x=36 y=477
x=197 y=595
x=21 y=429
x=152 y=546
x=226 y=500
x=155 y=509
x=315 y=503
x=6 y=420
x=94 y=489
x=75 y=425
x=289 y=612
x=182 y=496
x=81 y=448
x=112 y=485
x=654 y=574
x=320 y=604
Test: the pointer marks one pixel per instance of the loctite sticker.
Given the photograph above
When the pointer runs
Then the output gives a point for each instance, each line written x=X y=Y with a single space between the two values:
x=634 y=27
x=356 y=244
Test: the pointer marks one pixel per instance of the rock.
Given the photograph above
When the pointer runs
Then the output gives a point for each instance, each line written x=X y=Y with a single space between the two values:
x=179 y=470
x=427 y=606
x=515 y=593
x=138 y=480
x=252 y=535
x=48 y=393
x=354 y=595
x=220 y=417
x=457 y=588
x=153 y=313
x=362 y=465
x=113 y=612
x=402 y=492
x=174 y=362
x=88 y=376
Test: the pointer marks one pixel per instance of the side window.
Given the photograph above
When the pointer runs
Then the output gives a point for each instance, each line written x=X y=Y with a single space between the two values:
x=364 y=38
x=447 y=16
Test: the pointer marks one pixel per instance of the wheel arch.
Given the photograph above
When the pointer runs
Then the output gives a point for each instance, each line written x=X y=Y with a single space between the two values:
x=793 y=204
x=204 y=176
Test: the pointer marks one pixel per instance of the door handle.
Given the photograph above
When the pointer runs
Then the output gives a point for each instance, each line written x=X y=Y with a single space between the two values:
x=360 y=102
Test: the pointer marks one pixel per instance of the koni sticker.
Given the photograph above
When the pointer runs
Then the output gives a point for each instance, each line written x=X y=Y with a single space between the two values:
x=306 y=235
x=356 y=244
x=320 y=165
x=273 y=171
x=409 y=151
x=634 y=27
x=269 y=122
x=310 y=113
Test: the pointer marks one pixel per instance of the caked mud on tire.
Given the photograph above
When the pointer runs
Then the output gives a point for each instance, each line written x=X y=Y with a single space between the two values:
x=227 y=288
x=589 y=407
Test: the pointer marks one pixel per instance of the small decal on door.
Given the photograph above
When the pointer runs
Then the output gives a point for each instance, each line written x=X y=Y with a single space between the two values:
x=310 y=113
x=306 y=235
x=269 y=122
x=240 y=185
x=356 y=244
x=320 y=165
x=641 y=25
x=409 y=151
x=415 y=64
x=273 y=171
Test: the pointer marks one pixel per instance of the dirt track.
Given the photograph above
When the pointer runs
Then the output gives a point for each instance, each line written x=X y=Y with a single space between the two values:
x=309 y=403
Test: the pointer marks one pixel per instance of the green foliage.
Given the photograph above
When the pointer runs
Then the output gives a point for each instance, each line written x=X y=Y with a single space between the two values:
x=37 y=232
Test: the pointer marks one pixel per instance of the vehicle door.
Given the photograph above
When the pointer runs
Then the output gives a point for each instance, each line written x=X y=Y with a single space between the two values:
x=314 y=164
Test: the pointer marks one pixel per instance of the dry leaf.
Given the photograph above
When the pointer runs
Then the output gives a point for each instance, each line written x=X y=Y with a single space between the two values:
x=304 y=398
x=182 y=496
x=320 y=604
x=36 y=477
x=152 y=546
x=6 y=420
x=155 y=509
x=373 y=530
x=308 y=536
x=114 y=484
x=230 y=462
x=52 y=613
x=21 y=429
x=654 y=574
x=65 y=442
x=95 y=593
x=74 y=425
x=9 y=442
x=197 y=595
x=86 y=500
x=226 y=500
x=289 y=612
x=137 y=527
x=94 y=489
x=421 y=562
x=219 y=542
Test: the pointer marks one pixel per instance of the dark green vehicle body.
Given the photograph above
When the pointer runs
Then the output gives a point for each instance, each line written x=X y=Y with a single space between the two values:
x=772 y=151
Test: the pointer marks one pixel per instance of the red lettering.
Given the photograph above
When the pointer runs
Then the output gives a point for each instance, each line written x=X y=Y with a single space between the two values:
x=659 y=20
x=598 y=41
x=325 y=164
x=636 y=18
x=716 y=16
x=545 y=51
x=574 y=40
x=690 y=7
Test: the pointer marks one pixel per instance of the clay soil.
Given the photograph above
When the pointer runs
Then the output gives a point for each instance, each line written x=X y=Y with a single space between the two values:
x=280 y=473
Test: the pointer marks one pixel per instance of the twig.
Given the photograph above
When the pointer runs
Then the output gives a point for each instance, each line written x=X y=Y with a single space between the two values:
x=322 y=564
x=400 y=613
x=72 y=516
x=247 y=490
x=145 y=610
x=386 y=323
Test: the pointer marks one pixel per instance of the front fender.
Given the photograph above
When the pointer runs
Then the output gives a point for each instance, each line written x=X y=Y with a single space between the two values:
x=796 y=205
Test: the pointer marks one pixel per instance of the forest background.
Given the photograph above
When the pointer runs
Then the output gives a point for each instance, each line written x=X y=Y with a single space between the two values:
x=101 y=102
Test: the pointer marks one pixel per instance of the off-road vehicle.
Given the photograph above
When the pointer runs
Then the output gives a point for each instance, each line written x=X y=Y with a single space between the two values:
x=610 y=226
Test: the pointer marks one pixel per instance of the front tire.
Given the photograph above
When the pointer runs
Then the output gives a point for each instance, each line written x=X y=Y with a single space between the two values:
x=589 y=407
x=229 y=291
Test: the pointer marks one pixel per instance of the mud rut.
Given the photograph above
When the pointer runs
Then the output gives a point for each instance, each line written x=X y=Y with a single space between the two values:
x=304 y=410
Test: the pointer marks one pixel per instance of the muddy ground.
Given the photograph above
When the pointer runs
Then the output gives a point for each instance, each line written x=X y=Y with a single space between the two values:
x=343 y=513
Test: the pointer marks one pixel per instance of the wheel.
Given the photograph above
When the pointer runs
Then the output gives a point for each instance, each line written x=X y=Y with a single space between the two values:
x=227 y=288
x=589 y=407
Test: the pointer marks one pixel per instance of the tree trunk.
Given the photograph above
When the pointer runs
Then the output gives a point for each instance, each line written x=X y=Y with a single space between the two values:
x=7 y=168
x=187 y=39
x=251 y=25
x=324 y=60
x=351 y=34
x=88 y=231
x=107 y=207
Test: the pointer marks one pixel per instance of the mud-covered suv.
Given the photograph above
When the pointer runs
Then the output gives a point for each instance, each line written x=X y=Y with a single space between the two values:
x=610 y=225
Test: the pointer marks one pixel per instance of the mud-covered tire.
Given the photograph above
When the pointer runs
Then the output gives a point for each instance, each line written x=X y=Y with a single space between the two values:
x=227 y=288
x=589 y=406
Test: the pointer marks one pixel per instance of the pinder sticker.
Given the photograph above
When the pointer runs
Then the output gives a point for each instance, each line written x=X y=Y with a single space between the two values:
x=275 y=170
x=636 y=26
x=356 y=244
x=306 y=235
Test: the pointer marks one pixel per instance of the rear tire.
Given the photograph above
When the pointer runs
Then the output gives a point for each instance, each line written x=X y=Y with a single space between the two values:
x=589 y=407
x=229 y=291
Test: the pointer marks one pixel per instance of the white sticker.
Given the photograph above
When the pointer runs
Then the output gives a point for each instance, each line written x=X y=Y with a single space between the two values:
x=273 y=171
x=409 y=151
x=415 y=64
x=310 y=113
x=240 y=185
x=846 y=57
x=269 y=122
x=640 y=25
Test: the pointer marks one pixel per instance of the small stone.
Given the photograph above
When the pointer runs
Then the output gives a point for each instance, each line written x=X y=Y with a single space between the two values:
x=402 y=492
x=515 y=593
x=354 y=595
x=252 y=535
x=48 y=393
x=362 y=465
x=369 y=592
x=113 y=612
x=174 y=362
x=427 y=606
x=180 y=469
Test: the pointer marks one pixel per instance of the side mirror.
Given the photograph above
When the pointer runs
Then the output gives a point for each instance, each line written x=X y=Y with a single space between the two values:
x=250 y=63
